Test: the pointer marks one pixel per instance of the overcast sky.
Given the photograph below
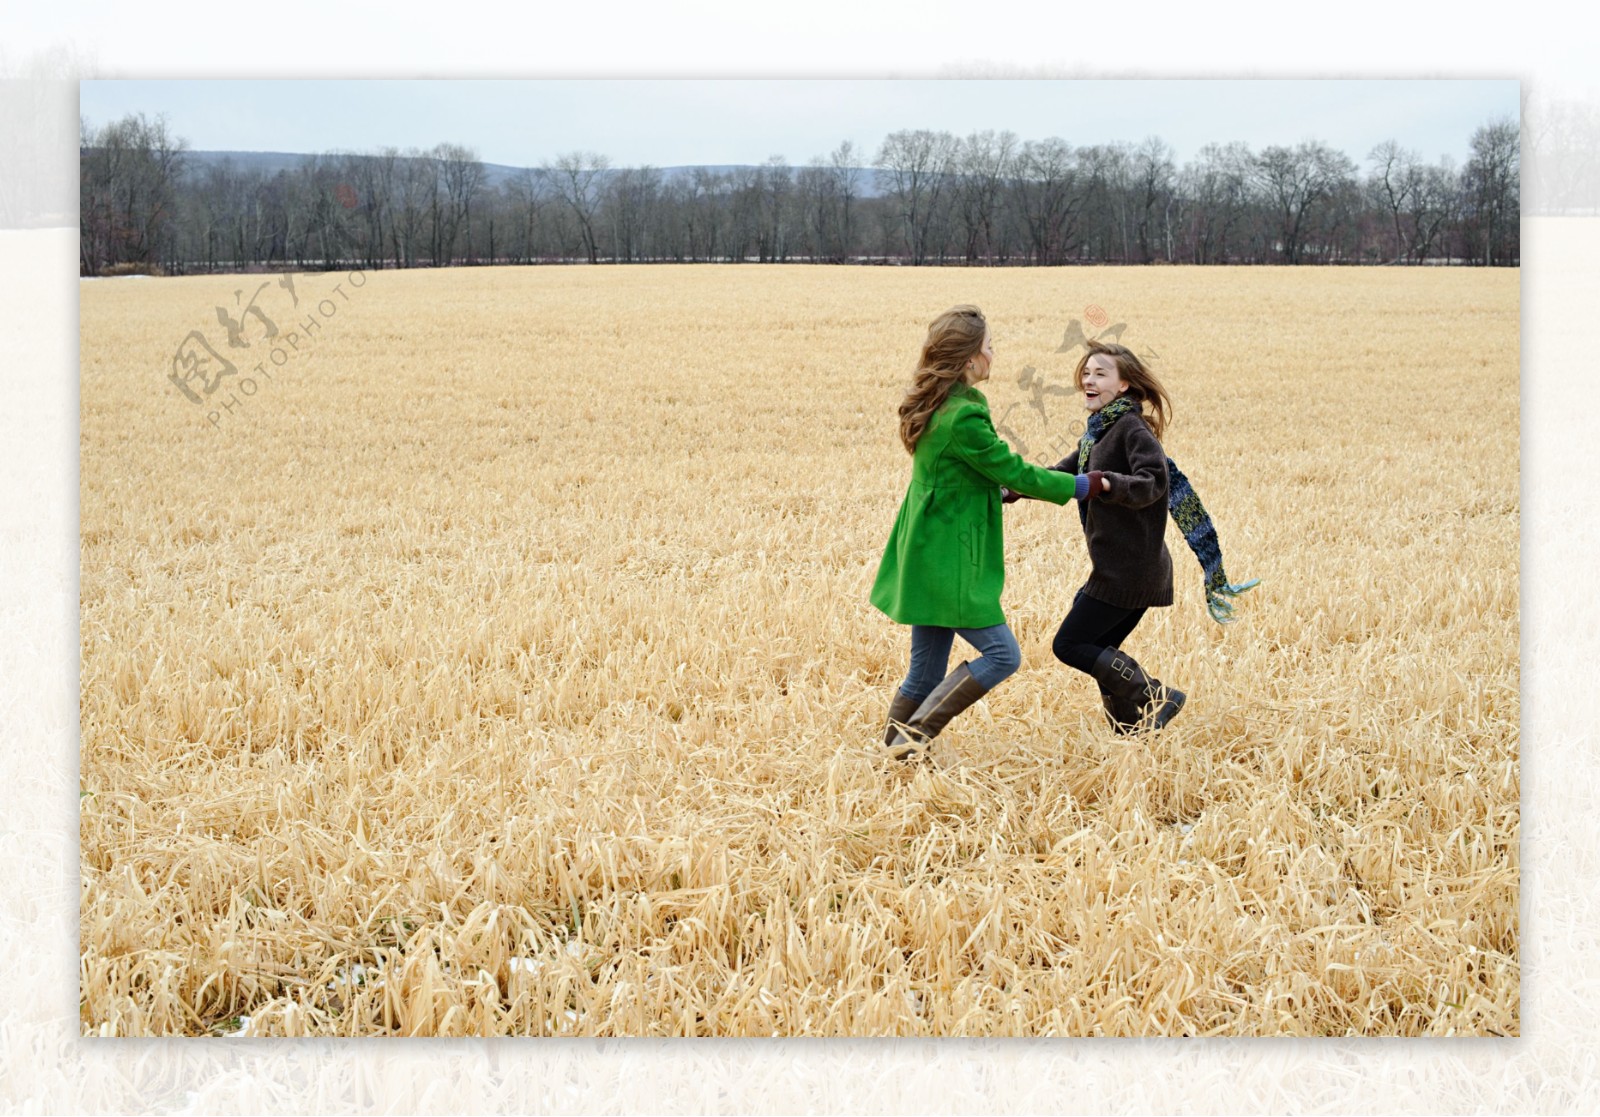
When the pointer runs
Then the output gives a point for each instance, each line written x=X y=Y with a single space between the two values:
x=675 y=122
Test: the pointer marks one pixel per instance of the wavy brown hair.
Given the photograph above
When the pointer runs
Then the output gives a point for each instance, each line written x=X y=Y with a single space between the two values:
x=1155 y=404
x=954 y=338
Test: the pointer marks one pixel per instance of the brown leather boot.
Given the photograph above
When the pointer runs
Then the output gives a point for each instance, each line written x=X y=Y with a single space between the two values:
x=958 y=691
x=901 y=708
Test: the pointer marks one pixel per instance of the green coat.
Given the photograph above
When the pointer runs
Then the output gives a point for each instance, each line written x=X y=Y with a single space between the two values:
x=945 y=561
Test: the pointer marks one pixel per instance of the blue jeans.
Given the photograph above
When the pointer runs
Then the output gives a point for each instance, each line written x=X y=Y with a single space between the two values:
x=999 y=657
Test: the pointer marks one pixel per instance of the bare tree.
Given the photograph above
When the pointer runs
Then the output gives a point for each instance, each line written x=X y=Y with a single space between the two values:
x=370 y=182
x=1299 y=181
x=128 y=180
x=1217 y=184
x=819 y=209
x=1153 y=172
x=1433 y=208
x=776 y=185
x=1049 y=193
x=744 y=189
x=983 y=162
x=1340 y=230
x=575 y=178
x=204 y=215
x=1490 y=190
x=319 y=211
x=630 y=200
x=1106 y=183
x=700 y=208
x=1395 y=179
x=916 y=165
x=461 y=176
x=847 y=188
x=417 y=183
x=529 y=194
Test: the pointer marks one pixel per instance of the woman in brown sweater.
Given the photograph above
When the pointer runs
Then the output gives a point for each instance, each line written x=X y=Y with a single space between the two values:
x=1134 y=486
x=1124 y=525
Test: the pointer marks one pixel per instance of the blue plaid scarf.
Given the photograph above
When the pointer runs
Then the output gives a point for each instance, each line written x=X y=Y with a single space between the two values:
x=1187 y=512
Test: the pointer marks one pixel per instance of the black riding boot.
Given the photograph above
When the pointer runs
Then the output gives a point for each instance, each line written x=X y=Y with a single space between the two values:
x=1122 y=714
x=1117 y=671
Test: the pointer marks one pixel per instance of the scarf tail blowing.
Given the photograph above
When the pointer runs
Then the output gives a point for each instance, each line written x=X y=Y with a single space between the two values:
x=1183 y=503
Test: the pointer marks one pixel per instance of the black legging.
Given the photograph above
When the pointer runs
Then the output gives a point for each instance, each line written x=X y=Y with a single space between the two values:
x=1089 y=628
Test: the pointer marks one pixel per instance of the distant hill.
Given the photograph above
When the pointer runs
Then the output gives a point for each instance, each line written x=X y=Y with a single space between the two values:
x=271 y=162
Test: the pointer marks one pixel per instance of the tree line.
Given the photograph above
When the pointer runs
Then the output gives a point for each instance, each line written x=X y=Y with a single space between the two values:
x=989 y=198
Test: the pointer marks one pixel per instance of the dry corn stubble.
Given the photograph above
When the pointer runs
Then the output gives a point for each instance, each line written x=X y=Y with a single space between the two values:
x=503 y=665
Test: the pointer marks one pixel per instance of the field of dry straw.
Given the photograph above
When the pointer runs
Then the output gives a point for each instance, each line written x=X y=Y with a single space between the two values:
x=503 y=665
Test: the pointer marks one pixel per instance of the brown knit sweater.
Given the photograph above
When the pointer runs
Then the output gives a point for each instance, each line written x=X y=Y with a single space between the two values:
x=1126 y=527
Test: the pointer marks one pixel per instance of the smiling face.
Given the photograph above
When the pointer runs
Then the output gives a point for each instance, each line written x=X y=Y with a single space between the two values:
x=1102 y=383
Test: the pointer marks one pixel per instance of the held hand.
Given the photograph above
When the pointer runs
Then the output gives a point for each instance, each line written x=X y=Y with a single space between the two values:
x=1091 y=484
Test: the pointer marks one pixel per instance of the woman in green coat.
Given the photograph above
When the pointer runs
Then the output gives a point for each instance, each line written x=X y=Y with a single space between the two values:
x=944 y=566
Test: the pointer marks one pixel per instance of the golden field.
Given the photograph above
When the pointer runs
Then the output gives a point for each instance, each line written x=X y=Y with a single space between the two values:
x=503 y=665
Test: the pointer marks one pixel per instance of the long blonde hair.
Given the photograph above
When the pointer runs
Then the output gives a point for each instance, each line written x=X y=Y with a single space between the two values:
x=954 y=338
x=1156 y=405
